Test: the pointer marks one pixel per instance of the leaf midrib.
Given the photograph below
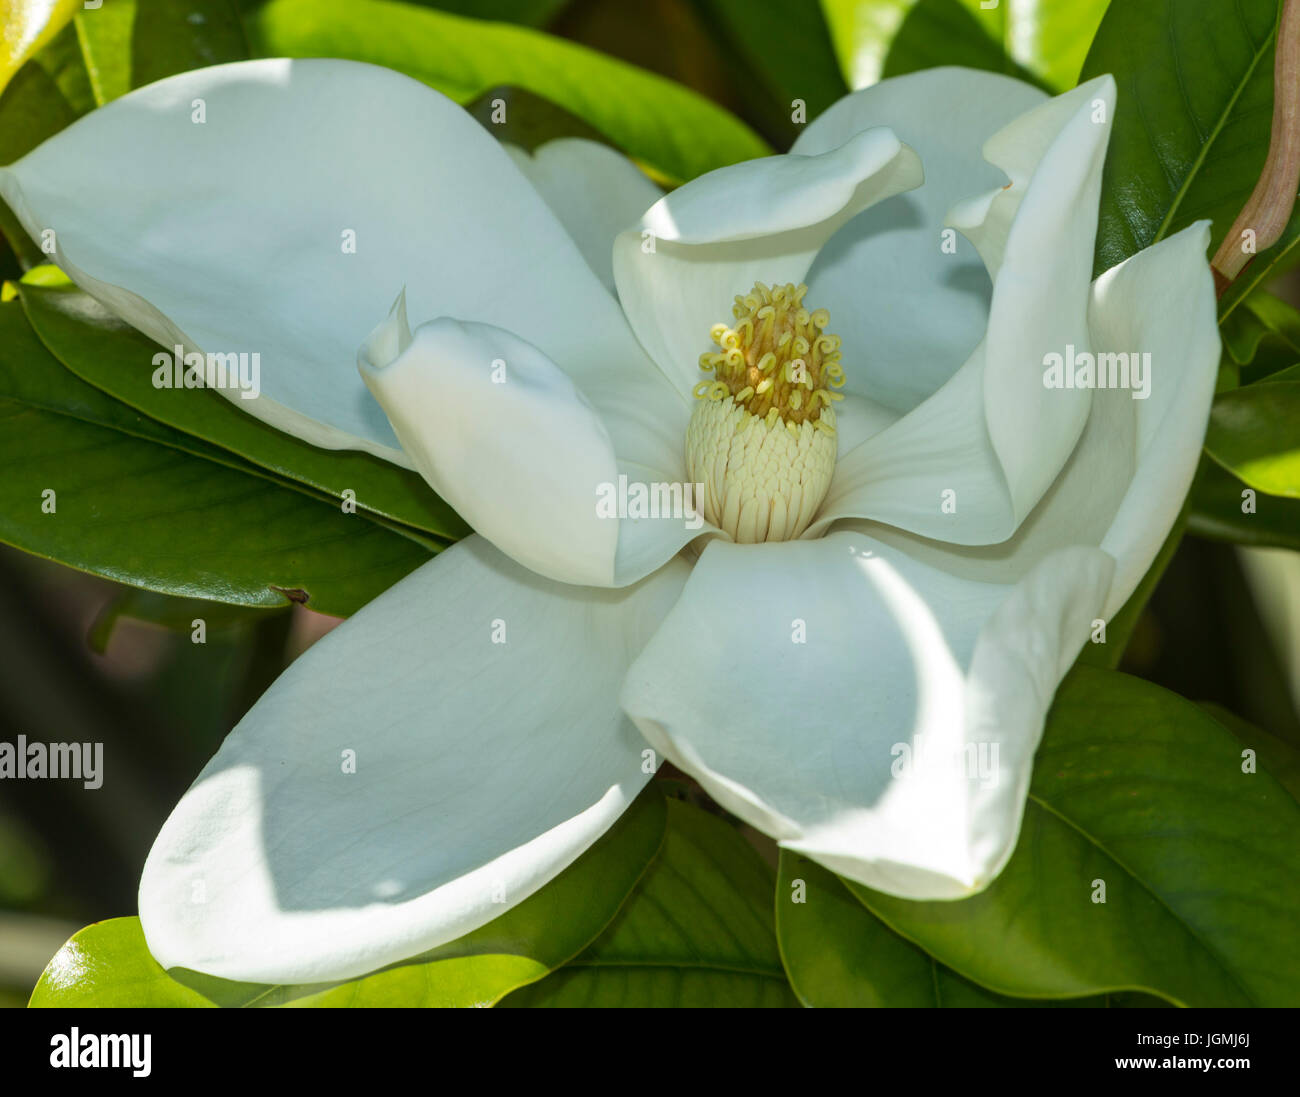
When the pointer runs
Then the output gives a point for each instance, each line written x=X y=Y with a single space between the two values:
x=1213 y=953
x=1201 y=155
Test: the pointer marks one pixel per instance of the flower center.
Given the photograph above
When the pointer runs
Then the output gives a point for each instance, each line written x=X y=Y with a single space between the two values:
x=762 y=436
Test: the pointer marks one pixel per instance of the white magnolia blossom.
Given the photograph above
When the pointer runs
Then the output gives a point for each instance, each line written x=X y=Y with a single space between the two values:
x=975 y=522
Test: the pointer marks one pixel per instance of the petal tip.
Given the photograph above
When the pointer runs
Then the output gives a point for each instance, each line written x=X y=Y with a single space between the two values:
x=388 y=341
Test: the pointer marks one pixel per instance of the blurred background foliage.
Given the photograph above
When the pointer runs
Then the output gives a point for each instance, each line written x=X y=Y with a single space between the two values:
x=102 y=662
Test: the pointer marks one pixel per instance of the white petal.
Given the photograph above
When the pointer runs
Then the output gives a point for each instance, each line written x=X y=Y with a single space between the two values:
x=502 y=434
x=909 y=304
x=594 y=190
x=760 y=221
x=994 y=435
x=1126 y=480
x=233 y=233
x=1161 y=301
x=480 y=767
x=802 y=737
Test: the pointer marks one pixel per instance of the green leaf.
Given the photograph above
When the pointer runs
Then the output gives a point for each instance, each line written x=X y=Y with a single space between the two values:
x=1217 y=501
x=108 y=964
x=112 y=356
x=945 y=32
x=1141 y=790
x=840 y=955
x=675 y=131
x=698 y=931
x=143 y=504
x=778 y=51
x=1262 y=319
x=532 y=13
x=1254 y=433
x=861 y=31
x=129 y=43
x=1192 y=121
x=26 y=27
x=1040 y=40
x=1277 y=756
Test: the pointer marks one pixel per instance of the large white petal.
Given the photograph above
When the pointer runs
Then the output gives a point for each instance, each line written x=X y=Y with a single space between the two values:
x=679 y=271
x=795 y=709
x=594 y=190
x=503 y=434
x=994 y=435
x=482 y=769
x=910 y=303
x=1126 y=480
x=232 y=233
x=1162 y=302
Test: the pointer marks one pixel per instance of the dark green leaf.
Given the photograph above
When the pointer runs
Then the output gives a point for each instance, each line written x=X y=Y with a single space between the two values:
x=1192 y=121
x=1224 y=509
x=698 y=931
x=1140 y=790
x=778 y=52
x=838 y=954
x=1276 y=755
x=112 y=356
x=140 y=503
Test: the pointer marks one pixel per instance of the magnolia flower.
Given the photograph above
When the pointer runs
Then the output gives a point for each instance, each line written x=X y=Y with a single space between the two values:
x=909 y=525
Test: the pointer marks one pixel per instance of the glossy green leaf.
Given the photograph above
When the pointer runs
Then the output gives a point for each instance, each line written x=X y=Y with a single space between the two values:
x=778 y=52
x=840 y=955
x=143 y=504
x=129 y=43
x=1254 y=433
x=1222 y=508
x=1277 y=756
x=1044 y=40
x=25 y=27
x=672 y=129
x=108 y=964
x=1192 y=121
x=112 y=356
x=1138 y=790
x=698 y=931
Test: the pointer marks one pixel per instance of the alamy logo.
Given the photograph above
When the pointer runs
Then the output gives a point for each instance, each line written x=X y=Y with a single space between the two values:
x=101 y=1049
x=1104 y=370
x=24 y=761
x=637 y=500
x=240 y=371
